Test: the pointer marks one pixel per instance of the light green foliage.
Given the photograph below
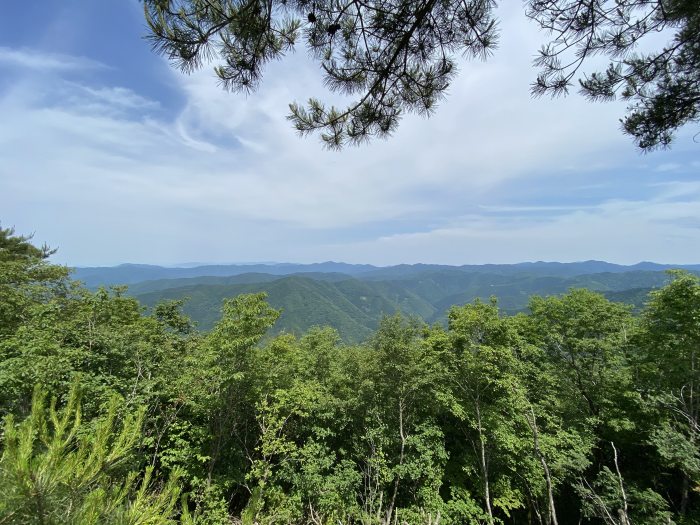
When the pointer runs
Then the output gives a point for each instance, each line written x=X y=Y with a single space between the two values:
x=486 y=405
x=57 y=469
x=349 y=433
x=493 y=419
x=409 y=385
x=244 y=321
x=584 y=336
x=103 y=336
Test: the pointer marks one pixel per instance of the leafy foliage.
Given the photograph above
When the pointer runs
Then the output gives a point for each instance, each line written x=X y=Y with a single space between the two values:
x=25 y=278
x=576 y=411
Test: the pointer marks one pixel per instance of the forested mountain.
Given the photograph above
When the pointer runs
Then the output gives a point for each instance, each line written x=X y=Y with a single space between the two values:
x=354 y=306
x=135 y=273
x=351 y=306
x=576 y=412
x=352 y=298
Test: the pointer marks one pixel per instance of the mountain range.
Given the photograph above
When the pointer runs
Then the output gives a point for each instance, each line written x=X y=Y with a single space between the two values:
x=352 y=298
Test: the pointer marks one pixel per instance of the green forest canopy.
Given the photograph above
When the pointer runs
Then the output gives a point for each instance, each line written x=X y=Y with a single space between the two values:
x=574 y=412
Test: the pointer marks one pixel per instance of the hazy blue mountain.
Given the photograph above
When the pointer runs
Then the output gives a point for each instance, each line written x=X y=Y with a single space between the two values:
x=134 y=273
x=540 y=268
x=352 y=297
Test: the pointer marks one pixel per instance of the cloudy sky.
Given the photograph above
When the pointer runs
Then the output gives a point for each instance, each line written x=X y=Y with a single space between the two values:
x=112 y=156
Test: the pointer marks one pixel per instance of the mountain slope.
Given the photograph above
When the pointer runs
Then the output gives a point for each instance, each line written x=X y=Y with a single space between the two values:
x=353 y=305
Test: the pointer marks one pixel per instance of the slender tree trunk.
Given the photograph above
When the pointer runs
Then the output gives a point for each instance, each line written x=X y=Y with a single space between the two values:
x=624 y=516
x=685 y=488
x=532 y=510
x=484 y=465
x=532 y=421
x=390 y=510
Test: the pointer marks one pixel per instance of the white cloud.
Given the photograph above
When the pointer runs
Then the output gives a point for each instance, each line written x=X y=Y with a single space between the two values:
x=39 y=60
x=93 y=170
x=115 y=97
x=618 y=231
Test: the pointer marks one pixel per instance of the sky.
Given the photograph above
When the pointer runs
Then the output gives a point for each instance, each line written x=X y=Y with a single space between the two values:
x=110 y=155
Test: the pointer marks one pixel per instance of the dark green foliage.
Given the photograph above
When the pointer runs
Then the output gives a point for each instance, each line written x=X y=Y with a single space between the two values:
x=25 y=278
x=396 y=57
x=400 y=56
x=662 y=86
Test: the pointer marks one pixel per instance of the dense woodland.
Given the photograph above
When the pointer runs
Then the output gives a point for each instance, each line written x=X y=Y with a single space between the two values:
x=576 y=411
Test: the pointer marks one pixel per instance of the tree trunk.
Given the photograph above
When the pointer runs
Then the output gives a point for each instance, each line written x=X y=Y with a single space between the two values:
x=484 y=466
x=624 y=516
x=390 y=510
x=532 y=421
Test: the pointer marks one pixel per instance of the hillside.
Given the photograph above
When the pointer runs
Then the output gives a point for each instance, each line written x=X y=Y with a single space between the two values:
x=353 y=305
x=351 y=308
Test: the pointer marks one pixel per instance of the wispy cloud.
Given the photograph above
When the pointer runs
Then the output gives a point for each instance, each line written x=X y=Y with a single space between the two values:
x=618 y=231
x=43 y=61
x=116 y=97
x=536 y=209
x=102 y=171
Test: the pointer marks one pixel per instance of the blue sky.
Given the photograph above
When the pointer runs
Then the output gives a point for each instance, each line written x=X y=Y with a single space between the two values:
x=112 y=156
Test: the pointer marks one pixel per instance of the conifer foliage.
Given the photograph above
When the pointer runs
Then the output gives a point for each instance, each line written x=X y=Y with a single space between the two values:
x=57 y=469
x=399 y=56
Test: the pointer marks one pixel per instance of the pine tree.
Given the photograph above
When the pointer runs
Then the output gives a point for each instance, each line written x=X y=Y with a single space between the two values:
x=58 y=469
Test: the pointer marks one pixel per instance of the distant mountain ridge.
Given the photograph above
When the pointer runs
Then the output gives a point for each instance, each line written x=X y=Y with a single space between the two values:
x=135 y=273
x=352 y=298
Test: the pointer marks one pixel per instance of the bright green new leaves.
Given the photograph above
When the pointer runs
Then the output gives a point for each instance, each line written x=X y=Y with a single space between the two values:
x=583 y=335
x=57 y=469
